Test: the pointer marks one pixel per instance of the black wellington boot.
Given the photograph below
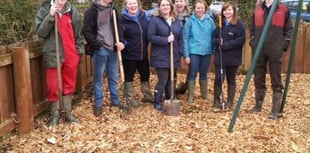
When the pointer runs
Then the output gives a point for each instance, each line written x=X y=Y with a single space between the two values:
x=259 y=100
x=276 y=105
x=67 y=100
x=54 y=114
x=231 y=96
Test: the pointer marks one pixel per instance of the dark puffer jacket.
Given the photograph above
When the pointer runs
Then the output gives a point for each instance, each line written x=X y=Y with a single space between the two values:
x=233 y=41
x=158 y=32
x=135 y=36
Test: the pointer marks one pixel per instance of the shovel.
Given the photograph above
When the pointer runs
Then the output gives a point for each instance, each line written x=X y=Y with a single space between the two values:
x=172 y=105
x=119 y=55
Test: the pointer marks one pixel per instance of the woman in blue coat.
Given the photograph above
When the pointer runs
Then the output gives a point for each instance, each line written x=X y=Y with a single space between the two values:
x=198 y=49
x=164 y=29
x=231 y=44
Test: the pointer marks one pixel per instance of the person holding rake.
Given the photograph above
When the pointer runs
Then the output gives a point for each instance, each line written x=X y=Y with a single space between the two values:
x=58 y=23
x=229 y=39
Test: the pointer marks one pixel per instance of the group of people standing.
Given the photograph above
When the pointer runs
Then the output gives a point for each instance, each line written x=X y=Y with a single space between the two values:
x=192 y=35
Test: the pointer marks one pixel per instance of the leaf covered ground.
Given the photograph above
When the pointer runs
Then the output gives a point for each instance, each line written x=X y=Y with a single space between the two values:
x=198 y=129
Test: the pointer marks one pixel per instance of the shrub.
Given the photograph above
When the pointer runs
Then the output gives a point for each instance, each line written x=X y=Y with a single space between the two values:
x=17 y=16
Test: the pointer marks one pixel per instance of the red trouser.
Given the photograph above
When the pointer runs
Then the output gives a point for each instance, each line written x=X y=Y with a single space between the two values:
x=69 y=68
x=68 y=77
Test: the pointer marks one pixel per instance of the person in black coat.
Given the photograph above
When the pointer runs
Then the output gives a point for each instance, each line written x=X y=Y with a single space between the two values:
x=276 y=42
x=164 y=29
x=99 y=32
x=134 y=23
x=229 y=44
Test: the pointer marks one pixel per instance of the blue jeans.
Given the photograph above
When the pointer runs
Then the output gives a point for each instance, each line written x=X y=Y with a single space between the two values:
x=199 y=63
x=105 y=59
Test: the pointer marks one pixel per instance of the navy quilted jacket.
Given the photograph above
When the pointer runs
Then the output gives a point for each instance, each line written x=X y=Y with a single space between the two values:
x=158 y=32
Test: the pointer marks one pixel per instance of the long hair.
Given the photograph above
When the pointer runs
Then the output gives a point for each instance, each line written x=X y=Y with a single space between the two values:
x=172 y=13
x=235 y=15
x=186 y=9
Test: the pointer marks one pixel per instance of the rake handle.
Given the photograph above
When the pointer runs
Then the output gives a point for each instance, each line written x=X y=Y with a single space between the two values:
x=118 y=52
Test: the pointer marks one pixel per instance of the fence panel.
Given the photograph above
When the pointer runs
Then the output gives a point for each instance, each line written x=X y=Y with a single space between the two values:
x=8 y=101
x=7 y=105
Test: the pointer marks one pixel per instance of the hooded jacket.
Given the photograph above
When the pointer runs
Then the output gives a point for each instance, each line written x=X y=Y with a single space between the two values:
x=135 y=35
x=198 y=35
x=45 y=28
x=90 y=29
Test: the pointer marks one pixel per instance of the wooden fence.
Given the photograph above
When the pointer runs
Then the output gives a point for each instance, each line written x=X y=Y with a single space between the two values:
x=22 y=95
x=22 y=92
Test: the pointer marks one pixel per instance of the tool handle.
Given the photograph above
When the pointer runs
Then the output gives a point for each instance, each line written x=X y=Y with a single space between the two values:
x=171 y=69
x=220 y=21
x=220 y=26
x=58 y=63
x=118 y=52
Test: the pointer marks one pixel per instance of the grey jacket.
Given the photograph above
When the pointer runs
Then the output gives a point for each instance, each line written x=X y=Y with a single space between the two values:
x=44 y=27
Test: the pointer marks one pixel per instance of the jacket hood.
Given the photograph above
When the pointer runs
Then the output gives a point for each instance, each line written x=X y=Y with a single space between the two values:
x=206 y=17
x=128 y=16
x=101 y=7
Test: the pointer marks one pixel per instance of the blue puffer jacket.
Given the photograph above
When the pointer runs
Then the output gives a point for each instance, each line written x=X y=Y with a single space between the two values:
x=198 y=35
x=158 y=32
x=233 y=40
x=134 y=30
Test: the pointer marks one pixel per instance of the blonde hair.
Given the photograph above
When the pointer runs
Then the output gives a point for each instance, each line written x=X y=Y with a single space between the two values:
x=139 y=4
x=187 y=9
x=234 y=19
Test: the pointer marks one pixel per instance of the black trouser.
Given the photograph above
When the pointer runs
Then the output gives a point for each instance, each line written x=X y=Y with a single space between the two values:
x=229 y=71
x=130 y=67
x=275 y=68
x=163 y=83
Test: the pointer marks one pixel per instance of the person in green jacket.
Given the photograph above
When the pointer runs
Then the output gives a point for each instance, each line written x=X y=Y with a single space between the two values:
x=70 y=49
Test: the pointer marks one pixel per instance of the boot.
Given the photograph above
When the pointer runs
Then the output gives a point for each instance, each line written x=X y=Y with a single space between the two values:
x=158 y=100
x=203 y=89
x=231 y=96
x=146 y=91
x=276 y=105
x=54 y=114
x=217 y=96
x=259 y=100
x=129 y=94
x=181 y=89
x=67 y=100
x=191 y=89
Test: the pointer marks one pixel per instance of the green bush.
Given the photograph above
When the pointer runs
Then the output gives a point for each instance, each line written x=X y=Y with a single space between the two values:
x=17 y=16
x=17 y=20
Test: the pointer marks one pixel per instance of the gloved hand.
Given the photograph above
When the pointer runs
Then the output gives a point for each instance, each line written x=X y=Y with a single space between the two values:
x=223 y=46
x=286 y=45
x=252 y=41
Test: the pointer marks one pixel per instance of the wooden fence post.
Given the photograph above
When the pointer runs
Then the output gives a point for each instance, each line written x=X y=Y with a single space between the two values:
x=23 y=91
